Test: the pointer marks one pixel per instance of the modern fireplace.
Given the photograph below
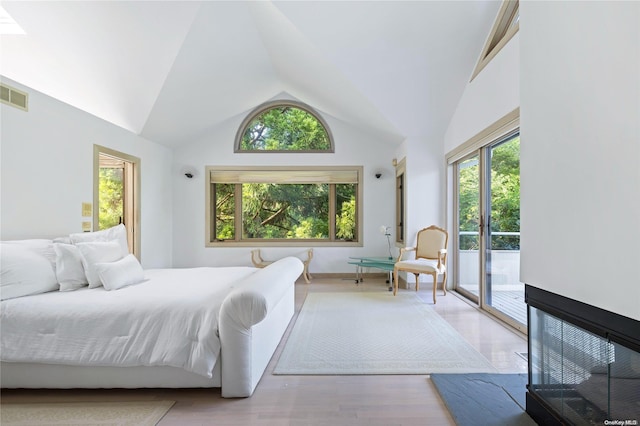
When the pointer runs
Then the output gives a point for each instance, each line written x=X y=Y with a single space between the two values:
x=584 y=363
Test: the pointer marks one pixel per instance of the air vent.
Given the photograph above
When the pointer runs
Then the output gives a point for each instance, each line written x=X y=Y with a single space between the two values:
x=14 y=97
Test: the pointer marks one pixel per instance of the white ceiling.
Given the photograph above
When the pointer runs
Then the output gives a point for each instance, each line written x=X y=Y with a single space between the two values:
x=171 y=70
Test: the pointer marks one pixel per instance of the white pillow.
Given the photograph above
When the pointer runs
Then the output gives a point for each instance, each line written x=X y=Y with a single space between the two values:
x=63 y=240
x=69 y=269
x=40 y=246
x=117 y=233
x=24 y=271
x=98 y=252
x=124 y=272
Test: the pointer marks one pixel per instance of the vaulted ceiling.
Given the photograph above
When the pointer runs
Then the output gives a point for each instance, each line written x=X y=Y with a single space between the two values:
x=171 y=70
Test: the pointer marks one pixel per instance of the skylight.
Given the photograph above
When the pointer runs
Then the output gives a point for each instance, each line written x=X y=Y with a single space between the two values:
x=8 y=25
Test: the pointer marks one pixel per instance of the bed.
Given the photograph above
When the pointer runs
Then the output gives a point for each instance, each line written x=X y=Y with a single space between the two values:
x=172 y=328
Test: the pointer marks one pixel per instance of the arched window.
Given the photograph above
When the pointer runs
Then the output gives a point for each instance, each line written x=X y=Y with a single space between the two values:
x=284 y=126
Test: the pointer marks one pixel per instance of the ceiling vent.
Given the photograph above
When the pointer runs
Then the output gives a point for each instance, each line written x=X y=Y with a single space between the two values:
x=14 y=97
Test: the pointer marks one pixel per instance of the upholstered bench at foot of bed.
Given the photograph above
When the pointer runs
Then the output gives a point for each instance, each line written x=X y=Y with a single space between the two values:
x=253 y=319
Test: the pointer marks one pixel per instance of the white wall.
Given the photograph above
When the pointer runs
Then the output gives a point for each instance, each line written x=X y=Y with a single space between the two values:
x=580 y=158
x=352 y=147
x=47 y=173
x=425 y=183
x=491 y=95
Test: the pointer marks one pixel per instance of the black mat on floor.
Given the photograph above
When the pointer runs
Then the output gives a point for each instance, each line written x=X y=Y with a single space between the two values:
x=484 y=399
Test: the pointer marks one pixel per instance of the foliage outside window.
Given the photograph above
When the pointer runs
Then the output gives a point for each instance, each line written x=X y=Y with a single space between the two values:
x=284 y=205
x=283 y=127
x=505 y=197
x=116 y=193
x=111 y=189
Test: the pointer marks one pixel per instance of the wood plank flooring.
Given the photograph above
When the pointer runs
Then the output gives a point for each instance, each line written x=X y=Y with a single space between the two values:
x=325 y=400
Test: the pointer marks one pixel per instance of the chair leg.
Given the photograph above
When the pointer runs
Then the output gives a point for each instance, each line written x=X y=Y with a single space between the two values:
x=417 y=281
x=305 y=273
x=444 y=283
x=435 y=285
x=395 y=281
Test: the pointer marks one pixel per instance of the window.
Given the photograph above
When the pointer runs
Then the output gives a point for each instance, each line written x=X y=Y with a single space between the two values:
x=284 y=126
x=284 y=205
x=117 y=193
x=506 y=25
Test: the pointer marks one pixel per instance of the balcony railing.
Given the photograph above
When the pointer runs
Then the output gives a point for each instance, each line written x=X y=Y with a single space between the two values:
x=505 y=265
x=507 y=292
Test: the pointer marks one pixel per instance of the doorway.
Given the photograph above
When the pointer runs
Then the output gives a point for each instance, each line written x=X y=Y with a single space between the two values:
x=487 y=225
x=117 y=193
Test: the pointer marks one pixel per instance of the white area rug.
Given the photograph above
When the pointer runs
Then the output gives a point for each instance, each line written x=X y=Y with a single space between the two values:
x=138 y=413
x=375 y=333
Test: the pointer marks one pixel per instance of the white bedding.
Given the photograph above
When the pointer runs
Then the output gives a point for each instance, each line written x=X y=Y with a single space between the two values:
x=170 y=319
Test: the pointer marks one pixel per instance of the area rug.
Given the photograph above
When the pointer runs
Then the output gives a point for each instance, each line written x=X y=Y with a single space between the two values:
x=484 y=399
x=375 y=333
x=134 y=413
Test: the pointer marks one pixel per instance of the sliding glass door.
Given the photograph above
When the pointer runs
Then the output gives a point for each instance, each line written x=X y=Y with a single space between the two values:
x=487 y=194
x=468 y=203
x=503 y=292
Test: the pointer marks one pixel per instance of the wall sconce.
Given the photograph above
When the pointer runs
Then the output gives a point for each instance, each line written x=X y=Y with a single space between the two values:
x=188 y=172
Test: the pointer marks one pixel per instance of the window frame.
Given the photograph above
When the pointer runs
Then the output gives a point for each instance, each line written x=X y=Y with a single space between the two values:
x=401 y=203
x=238 y=241
x=504 y=28
x=277 y=104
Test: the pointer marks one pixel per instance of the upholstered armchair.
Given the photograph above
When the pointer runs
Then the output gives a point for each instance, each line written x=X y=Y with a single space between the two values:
x=430 y=258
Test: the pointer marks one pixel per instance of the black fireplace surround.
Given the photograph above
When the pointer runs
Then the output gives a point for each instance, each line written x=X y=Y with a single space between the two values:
x=584 y=363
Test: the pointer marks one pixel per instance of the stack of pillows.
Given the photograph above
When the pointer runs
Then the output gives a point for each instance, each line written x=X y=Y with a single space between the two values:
x=89 y=259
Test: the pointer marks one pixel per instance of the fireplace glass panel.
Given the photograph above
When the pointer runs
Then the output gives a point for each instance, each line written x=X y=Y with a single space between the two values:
x=585 y=378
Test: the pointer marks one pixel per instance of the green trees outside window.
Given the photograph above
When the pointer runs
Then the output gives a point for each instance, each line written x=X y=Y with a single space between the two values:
x=284 y=127
x=286 y=211
x=505 y=197
x=111 y=189
x=505 y=194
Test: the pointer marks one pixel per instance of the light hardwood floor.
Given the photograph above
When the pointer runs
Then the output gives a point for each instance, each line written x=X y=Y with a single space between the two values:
x=325 y=400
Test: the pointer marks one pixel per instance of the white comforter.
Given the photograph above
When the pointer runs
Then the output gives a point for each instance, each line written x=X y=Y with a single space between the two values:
x=170 y=319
